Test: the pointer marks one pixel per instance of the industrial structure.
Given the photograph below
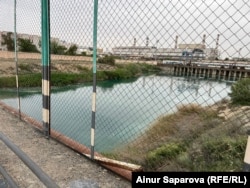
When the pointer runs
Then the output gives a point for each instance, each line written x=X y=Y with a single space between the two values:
x=197 y=51
x=179 y=52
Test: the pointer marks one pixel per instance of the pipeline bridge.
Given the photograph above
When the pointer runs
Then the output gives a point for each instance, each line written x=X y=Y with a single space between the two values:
x=231 y=71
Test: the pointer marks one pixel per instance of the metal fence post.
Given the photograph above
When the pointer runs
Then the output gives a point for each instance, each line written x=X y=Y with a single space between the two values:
x=94 y=78
x=46 y=65
x=16 y=62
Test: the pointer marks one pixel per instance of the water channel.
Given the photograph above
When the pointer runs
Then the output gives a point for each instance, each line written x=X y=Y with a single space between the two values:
x=124 y=109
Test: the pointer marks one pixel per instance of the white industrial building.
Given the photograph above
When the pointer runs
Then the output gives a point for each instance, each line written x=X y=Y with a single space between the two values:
x=195 y=51
x=163 y=53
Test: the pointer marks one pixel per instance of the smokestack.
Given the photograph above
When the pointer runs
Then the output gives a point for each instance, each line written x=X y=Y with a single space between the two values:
x=204 y=40
x=176 y=42
x=134 y=41
x=147 y=39
x=217 y=46
x=217 y=42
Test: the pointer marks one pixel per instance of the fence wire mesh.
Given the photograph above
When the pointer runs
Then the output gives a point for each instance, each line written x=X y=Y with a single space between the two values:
x=168 y=75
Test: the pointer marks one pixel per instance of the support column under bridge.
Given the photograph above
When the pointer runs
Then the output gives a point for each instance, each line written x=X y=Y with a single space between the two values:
x=231 y=74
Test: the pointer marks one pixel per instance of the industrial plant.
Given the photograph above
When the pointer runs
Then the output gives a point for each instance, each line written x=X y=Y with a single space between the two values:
x=196 y=51
x=180 y=51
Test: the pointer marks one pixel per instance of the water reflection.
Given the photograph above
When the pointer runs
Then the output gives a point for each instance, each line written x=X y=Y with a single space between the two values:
x=109 y=85
x=123 y=109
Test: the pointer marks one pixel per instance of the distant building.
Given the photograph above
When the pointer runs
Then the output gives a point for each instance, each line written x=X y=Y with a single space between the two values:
x=195 y=51
x=192 y=46
x=134 y=51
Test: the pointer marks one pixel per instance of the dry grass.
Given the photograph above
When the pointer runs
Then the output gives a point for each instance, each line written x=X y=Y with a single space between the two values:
x=181 y=141
x=170 y=128
x=7 y=67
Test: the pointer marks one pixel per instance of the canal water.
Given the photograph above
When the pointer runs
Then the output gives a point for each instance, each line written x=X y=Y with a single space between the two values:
x=124 y=109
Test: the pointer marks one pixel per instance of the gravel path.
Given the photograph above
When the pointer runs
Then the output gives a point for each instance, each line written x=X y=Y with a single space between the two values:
x=66 y=167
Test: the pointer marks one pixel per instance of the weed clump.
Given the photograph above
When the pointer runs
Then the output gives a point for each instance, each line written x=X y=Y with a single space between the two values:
x=240 y=94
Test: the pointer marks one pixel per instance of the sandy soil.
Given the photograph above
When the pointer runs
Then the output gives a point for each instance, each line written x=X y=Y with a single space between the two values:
x=8 y=66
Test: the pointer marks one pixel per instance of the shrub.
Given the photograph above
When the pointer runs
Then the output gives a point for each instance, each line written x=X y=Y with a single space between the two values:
x=168 y=151
x=25 y=67
x=109 y=60
x=223 y=154
x=240 y=92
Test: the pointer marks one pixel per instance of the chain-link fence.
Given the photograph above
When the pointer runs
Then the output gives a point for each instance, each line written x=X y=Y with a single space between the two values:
x=165 y=72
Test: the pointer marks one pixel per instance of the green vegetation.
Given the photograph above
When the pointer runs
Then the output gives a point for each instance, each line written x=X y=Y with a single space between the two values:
x=85 y=75
x=25 y=67
x=56 y=48
x=192 y=139
x=108 y=60
x=25 y=45
x=166 y=152
x=219 y=154
x=63 y=79
x=72 y=50
x=27 y=80
x=241 y=92
x=8 y=41
x=8 y=82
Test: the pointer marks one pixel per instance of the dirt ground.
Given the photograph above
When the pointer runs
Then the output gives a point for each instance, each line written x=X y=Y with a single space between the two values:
x=67 y=168
x=8 y=66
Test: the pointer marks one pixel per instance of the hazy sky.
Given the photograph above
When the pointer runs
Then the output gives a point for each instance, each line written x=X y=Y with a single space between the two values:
x=120 y=21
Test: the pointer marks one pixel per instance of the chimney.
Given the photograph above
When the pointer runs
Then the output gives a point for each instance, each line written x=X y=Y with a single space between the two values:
x=134 y=42
x=204 y=40
x=147 y=39
x=217 y=42
x=176 y=42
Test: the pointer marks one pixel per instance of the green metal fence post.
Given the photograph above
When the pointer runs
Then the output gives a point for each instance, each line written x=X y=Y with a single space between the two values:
x=46 y=65
x=16 y=62
x=94 y=78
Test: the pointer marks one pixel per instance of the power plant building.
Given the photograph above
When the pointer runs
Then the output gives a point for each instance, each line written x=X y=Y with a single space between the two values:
x=198 y=51
x=195 y=51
